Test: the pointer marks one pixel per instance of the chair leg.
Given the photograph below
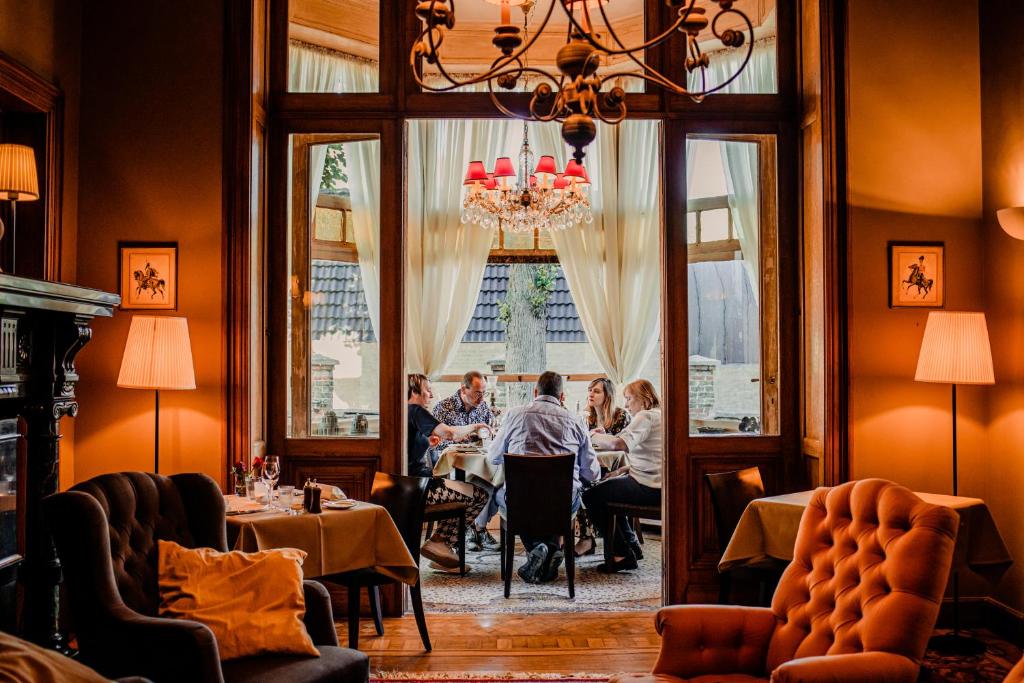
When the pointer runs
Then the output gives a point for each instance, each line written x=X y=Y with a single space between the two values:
x=462 y=545
x=638 y=530
x=509 y=552
x=373 y=593
x=501 y=551
x=417 y=610
x=353 y=617
x=570 y=564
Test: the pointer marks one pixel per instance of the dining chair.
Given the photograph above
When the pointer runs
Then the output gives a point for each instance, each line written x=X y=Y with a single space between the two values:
x=106 y=531
x=538 y=503
x=857 y=603
x=404 y=498
x=730 y=493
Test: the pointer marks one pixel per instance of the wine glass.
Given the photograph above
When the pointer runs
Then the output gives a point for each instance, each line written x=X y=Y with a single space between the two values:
x=271 y=472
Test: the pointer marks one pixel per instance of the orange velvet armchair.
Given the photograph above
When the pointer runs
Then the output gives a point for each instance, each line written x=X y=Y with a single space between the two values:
x=857 y=603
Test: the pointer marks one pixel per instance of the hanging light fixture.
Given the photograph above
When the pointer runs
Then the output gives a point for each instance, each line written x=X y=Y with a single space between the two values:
x=521 y=202
x=576 y=98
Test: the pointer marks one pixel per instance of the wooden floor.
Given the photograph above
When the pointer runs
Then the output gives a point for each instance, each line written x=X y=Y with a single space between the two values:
x=588 y=642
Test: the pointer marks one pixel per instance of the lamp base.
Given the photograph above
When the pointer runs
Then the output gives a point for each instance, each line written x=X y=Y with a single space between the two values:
x=956 y=644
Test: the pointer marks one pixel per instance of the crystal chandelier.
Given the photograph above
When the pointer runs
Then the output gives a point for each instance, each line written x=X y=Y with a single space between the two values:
x=575 y=98
x=543 y=200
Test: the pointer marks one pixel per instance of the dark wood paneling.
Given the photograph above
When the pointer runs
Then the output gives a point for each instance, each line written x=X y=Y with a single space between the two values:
x=353 y=475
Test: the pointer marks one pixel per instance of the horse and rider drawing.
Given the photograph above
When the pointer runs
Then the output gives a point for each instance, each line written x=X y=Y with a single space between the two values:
x=918 y=278
x=148 y=279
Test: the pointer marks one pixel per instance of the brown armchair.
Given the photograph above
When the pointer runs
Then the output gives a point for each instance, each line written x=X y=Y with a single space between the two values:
x=106 y=532
x=857 y=603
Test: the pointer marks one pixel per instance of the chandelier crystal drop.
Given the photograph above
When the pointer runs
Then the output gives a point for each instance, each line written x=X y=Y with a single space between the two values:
x=542 y=200
x=576 y=97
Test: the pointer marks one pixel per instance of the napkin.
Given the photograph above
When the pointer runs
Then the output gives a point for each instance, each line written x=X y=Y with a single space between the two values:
x=328 y=492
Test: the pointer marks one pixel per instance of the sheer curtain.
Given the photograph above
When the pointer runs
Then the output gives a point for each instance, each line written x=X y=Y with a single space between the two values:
x=613 y=265
x=312 y=69
x=740 y=159
x=445 y=258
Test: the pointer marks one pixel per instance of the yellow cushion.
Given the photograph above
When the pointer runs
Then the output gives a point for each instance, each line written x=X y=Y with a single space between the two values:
x=253 y=602
x=21 y=661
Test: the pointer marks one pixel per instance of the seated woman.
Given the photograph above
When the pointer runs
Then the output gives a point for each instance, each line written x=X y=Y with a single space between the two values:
x=426 y=431
x=603 y=417
x=639 y=482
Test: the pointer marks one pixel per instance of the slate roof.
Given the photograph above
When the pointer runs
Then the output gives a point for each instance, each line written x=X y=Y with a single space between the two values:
x=340 y=305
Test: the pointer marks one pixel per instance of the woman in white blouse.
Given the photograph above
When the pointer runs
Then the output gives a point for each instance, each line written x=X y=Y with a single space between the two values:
x=639 y=482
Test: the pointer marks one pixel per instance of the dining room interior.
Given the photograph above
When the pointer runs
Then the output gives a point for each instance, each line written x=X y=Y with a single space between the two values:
x=582 y=340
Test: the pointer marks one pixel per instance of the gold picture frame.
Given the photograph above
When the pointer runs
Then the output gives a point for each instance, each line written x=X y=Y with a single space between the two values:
x=149 y=275
x=917 y=274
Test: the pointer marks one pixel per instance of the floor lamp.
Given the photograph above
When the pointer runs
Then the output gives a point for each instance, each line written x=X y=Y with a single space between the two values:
x=19 y=182
x=955 y=350
x=157 y=356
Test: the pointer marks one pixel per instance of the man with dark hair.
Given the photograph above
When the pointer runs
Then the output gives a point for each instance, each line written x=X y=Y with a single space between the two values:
x=465 y=407
x=545 y=427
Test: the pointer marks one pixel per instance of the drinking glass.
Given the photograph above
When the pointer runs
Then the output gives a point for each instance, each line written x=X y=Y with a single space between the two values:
x=271 y=472
x=286 y=496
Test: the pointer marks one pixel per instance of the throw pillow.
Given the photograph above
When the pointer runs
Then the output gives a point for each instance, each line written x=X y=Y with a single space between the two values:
x=22 y=661
x=253 y=602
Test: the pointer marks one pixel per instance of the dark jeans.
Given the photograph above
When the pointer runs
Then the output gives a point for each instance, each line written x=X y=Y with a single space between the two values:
x=623 y=489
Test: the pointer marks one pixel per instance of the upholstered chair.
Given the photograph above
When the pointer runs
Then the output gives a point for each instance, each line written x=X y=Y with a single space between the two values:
x=106 y=532
x=1016 y=674
x=857 y=603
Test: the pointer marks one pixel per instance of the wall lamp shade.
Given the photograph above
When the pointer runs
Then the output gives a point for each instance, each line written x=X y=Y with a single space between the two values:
x=157 y=355
x=18 y=178
x=1012 y=220
x=955 y=349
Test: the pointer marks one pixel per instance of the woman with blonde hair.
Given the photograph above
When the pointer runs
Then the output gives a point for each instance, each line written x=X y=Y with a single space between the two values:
x=639 y=482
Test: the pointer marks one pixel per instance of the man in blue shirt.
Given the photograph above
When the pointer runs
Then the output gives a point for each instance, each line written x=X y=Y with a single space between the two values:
x=467 y=406
x=544 y=427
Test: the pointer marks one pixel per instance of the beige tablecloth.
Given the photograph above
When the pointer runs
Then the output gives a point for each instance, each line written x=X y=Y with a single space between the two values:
x=768 y=528
x=335 y=540
x=611 y=460
x=473 y=462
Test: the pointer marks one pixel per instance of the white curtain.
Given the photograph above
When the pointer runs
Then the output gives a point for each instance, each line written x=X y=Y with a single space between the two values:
x=613 y=265
x=740 y=159
x=445 y=258
x=312 y=69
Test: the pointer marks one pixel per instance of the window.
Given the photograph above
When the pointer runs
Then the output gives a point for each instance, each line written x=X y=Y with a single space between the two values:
x=333 y=46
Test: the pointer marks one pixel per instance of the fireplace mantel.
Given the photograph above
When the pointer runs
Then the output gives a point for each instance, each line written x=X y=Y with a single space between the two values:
x=43 y=326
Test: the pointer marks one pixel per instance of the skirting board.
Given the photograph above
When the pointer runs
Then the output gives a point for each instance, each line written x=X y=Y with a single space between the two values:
x=1001 y=619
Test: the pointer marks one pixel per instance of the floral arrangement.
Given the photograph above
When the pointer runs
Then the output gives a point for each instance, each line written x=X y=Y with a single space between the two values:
x=255 y=471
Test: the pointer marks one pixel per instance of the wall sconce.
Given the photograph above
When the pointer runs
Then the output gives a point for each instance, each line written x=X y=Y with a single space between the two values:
x=1012 y=220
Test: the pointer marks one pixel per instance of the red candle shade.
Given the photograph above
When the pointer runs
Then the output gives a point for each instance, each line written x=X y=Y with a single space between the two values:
x=560 y=182
x=475 y=173
x=574 y=170
x=491 y=182
x=503 y=168
x=546 y=165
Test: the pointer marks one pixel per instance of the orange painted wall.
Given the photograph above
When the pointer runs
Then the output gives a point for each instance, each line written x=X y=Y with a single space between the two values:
x=1002 y=102
x=150 y=169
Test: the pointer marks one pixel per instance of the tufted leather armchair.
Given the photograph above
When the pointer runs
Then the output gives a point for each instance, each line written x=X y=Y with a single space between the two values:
x=106 y=532
x=857 y=603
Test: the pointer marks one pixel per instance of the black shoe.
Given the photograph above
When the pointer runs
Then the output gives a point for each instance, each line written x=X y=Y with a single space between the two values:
x=637 y=551
x=625 y=564
x=489 y=542
x=473 y=540
x=535 y=560
x=550 y=572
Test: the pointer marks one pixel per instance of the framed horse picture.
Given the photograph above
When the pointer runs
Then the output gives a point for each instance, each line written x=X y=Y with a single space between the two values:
x=149 y=275
x=917 y=275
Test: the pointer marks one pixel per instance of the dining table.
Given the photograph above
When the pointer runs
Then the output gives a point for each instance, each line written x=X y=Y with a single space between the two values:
x=768 y=528
x=362 y=536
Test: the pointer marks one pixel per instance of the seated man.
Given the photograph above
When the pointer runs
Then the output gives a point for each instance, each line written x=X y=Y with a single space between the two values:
x=544 y=427
x=424 y=430
x=465 y=407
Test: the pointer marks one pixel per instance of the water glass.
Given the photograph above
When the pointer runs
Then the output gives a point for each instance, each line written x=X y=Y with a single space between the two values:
x=286 y=496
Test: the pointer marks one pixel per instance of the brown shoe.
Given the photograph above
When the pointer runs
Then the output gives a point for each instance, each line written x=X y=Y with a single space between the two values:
x=585 y=546
x=440 y=553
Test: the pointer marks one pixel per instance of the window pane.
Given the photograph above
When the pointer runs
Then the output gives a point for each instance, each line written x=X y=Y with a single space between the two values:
x=760 y=76
x=732 y=343
x=333 y=46
x=334 y=297
x=467 y=49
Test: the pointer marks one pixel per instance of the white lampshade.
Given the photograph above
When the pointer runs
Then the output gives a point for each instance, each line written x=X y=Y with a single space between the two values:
x=955 y=349
x=1012 y=221
x=18 y=178
x=157 y=355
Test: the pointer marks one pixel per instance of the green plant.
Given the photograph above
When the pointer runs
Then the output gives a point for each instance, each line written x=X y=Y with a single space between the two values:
x=334 y=167
x=541 y=288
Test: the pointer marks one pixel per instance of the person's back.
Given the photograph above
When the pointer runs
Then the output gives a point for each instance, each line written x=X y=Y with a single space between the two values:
x=542 y=427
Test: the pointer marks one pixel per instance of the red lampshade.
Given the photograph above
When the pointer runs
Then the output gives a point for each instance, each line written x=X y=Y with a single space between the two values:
x=560 y=182
x=475 y=173
x=546 y=165
x=574 y=170
x=533 y=181
x=503 y=168
x=585 y=180
x=491 y=182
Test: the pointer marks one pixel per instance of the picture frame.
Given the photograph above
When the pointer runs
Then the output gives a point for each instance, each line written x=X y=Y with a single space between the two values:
x=917 y=274
x=148 y=275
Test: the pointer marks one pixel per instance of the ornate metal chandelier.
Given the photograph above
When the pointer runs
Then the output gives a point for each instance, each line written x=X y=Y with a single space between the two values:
x=575 y=98
x=543 y=200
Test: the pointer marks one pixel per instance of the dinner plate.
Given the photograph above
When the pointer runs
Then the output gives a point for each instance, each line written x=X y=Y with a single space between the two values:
x=339 y=504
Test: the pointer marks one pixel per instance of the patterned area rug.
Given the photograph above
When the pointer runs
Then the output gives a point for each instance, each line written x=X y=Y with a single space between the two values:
x=481 y=590
x=992 y=666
